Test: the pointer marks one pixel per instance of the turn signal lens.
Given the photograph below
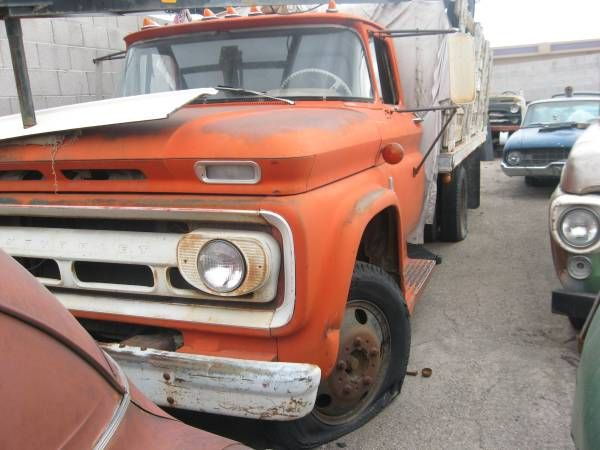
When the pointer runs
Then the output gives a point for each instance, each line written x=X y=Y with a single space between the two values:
x=579 y=227
x=221 y=266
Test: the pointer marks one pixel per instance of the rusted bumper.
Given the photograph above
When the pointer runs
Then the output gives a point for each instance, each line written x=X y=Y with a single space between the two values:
x=503 y=128
x=227 y=386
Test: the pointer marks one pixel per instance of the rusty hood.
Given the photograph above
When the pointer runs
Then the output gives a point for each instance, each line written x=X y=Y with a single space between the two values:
x=581 y=174
x=298 y=147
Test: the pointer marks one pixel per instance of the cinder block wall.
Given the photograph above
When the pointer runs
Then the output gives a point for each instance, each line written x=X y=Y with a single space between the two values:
x=541 y=77
x=59 y=55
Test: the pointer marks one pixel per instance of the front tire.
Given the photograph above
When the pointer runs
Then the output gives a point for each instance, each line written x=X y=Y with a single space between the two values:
x=372 y=359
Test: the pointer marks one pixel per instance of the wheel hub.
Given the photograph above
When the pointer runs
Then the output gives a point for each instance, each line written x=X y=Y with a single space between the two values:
x=358 y=367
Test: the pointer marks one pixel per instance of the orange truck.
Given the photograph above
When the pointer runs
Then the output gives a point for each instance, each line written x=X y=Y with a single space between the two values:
x=234 y=228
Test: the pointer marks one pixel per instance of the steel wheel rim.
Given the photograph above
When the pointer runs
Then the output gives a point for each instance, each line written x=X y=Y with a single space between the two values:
x=359 y=372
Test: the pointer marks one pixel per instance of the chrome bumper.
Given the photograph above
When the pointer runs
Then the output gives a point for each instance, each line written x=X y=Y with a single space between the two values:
x=554 y=169
x=226 y=386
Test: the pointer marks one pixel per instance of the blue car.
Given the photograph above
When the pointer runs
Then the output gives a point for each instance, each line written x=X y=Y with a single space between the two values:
x=540 y=148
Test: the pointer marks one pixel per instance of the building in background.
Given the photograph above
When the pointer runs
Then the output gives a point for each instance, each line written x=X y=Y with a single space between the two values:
x=60 y=54
x=541 y=70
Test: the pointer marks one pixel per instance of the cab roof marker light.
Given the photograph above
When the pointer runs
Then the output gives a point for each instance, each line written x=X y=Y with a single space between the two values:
x=228 y=172
x=149 y=23
x=332 y=7
x=207 y=14
x=231 y=12
x=254 y=11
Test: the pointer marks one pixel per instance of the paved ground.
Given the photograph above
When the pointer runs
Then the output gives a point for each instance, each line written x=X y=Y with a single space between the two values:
x=503 y=365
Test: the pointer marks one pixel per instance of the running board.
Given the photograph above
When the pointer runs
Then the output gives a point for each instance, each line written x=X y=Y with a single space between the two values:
x=416 y=274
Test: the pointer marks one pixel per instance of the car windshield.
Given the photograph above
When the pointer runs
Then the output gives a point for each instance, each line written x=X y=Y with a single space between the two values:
x=548 y=113
x=294 y=63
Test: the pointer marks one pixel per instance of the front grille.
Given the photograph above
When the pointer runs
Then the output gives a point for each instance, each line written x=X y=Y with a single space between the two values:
x=499 y=114
x=543 y=157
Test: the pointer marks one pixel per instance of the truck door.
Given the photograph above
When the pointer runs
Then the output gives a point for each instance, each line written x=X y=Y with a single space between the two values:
x=400 y=128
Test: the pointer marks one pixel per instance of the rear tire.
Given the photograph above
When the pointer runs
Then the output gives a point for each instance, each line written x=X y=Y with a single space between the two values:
x=455 y=201
x=372 y=360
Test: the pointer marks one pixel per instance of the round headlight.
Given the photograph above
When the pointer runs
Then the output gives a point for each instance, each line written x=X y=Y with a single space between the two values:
x=221 y=266
x=513 y=158
x=579 y=267
x=514 y=109
x=579 y=227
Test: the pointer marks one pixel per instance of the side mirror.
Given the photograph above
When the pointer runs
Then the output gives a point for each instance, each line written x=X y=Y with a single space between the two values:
x=461 y=68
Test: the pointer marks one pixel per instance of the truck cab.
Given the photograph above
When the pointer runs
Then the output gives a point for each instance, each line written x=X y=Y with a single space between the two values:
x=233 y=228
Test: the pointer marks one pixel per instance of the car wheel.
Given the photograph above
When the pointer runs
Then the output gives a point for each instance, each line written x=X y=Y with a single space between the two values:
x=455 y=203
x=576 y=322
x=371 y=364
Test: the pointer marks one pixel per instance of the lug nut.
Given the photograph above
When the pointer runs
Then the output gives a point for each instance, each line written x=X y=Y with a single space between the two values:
x=341 y=365
x=367 y=381
x=347 y=389
x=373 y=352
x=357 y=342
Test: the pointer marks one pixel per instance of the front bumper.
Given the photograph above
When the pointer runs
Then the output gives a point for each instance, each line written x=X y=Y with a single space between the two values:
x=226 y=386
x=554 y=169
x=572 y=304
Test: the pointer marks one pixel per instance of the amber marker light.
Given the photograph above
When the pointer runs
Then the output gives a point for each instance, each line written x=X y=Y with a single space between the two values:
x=332 y=7
x=149 y=23
x=231 y=12
x=207 y=14
x=254 y=11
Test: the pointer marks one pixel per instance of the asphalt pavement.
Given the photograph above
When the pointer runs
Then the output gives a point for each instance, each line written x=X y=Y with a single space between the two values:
x=503 y=365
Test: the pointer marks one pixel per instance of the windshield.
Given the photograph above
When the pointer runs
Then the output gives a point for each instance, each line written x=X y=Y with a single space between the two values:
x=294 y=62
x=576 y=111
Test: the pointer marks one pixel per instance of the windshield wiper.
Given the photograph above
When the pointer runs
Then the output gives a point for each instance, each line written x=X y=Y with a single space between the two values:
x=558 y=126
x=257 y=93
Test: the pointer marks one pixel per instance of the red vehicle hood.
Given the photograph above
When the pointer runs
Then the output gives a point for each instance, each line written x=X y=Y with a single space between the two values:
x=298 y=147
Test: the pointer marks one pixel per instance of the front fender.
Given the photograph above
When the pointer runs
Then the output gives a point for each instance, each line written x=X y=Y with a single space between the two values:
x=330 y=224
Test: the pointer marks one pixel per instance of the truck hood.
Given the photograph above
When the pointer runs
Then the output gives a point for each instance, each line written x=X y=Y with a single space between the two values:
x=113 y=111
x=298 y=147
x=581 y=174
x=538 y=138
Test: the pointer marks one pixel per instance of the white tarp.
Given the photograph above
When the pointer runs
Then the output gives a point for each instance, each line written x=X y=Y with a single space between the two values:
x=423 y=67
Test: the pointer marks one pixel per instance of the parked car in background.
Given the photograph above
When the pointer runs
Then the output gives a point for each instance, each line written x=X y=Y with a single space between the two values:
x=550 y=128
x=505 y=114
x=575 y=229
x=586 y=407
x=60 y=390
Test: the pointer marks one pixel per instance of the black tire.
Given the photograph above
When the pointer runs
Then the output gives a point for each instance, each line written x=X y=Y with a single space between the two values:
x=373 y=287
x=454 y=208
x=474 y=179
x=576 y=322
x=531 y=181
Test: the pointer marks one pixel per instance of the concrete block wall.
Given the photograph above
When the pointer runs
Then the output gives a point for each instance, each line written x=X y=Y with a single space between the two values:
x=59 y=55
x=541 y=77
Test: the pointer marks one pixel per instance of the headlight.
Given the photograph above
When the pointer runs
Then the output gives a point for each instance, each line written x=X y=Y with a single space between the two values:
x=221 y=266
x=514 y=109
x=579 y=227
x=579 y=267
x=513 y=158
